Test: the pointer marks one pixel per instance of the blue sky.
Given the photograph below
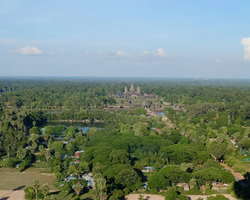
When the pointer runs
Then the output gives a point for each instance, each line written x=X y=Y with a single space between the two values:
x=139 y=38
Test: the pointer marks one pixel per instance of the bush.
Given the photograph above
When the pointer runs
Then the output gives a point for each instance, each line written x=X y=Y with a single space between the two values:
x=182 y=197
x=24 y=165
x=238 y=167
x=41 y=158
x=29 y=193
x=217 y=197
x=66 y=188
x=10 y=162
x=40 y=195
x=231 y=161
x=76 y=198
x=227 y=177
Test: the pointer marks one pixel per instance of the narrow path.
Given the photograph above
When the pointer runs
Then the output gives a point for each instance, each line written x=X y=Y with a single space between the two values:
x=160 y=197
x=204 y=197
x=237 y=175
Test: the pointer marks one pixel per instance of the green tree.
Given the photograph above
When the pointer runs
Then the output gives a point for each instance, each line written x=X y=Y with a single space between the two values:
x=128 y=178
x=171 y=194
x=36 y=187
x=29 y=193
x=77 y=188
x=21 y=153
x=45 y=189
x=47 y=155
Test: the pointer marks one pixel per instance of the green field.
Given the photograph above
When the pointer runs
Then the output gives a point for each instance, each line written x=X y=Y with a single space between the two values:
x=12 y=179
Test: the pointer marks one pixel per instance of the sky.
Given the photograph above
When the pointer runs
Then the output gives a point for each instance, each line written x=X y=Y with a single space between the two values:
x=132 y=38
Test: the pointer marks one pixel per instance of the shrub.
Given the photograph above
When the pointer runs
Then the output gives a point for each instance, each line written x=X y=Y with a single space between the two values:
x=40 y=195
x=41 y=158
x=29 y=193
x=76 y=198
x=24 y=165
x=227 y=177
x=218 y=197
x=238 y=167
x=66 y=188
x=231 y=161
x=11 y=162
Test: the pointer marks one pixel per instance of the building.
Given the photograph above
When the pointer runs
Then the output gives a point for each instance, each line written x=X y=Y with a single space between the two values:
x=77 y=153
x=148 y=169
x=133 y=93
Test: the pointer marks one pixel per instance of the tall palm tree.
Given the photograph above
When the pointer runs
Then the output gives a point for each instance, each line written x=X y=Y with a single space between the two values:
x=36 y=187
x=47 y=154
x=102 y=186
x=21 y=153
x=45 y=189
x=78 y=188
x=97 y=177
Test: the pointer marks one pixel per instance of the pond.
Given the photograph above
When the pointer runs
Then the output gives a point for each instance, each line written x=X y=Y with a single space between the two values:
x=161 y=114
x=83 y=126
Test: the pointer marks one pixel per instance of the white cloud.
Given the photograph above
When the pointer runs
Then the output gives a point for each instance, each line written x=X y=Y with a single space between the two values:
x=160 y=52
x=28 y=51
x=246 y=43
x=87 y=52
x=145 y=53
x=99 y=52
x=120 y=53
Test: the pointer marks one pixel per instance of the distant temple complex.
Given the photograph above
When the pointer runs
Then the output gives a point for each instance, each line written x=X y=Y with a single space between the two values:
x=133 y=93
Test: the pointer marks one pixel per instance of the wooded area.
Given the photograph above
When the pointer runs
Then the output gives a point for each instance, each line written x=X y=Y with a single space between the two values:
x=133 y=151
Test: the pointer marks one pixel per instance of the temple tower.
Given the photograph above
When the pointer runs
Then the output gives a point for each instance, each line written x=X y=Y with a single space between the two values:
x=132 y=89
x=138 y=90
x=126 y=90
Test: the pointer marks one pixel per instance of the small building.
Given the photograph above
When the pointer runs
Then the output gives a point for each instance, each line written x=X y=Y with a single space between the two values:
x=88 y=177
x=148 y=169
x=64 y=156
x=77 y=153
x=18 y=165
x=184 y=185
x=158 y=130
x=70 y=177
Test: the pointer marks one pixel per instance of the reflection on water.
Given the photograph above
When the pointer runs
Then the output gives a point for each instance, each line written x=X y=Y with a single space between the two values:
x=83 y=126
x=160 y=114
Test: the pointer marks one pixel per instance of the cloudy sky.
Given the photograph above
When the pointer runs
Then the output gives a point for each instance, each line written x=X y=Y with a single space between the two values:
x=139 y=38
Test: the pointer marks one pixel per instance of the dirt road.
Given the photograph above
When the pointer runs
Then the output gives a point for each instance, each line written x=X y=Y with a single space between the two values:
x=12 y=195
x=159 y=197
x=237 y=175
x=204 y=197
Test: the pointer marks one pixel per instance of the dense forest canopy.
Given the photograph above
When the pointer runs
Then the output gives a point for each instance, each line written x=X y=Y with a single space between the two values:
x=212 y=122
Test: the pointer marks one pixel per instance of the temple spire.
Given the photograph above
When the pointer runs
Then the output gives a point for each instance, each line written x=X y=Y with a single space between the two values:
x=132 y=89
x=126 y=90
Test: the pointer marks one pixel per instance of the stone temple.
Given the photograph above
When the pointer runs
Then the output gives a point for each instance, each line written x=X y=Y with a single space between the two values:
x=135 y=93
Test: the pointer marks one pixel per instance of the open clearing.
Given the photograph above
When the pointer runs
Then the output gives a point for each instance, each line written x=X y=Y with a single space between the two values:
x=12 y=179
x=12 y=195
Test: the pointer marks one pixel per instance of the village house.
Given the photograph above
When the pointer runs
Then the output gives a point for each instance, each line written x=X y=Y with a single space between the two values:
x=77 y=153
x=148 y=169
x=88 y=177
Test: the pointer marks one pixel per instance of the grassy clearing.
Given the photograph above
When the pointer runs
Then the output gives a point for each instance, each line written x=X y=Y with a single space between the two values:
x=40 y=165
x=12 y=179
